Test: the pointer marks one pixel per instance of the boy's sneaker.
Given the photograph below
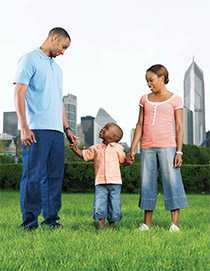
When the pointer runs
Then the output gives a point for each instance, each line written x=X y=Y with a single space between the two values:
x=144 y=227
x=174 y=228
x=113 y=225
x=100 y=224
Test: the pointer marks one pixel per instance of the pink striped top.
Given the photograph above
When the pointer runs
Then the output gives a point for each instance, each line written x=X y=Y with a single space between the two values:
x=107 y=160
x=159 y=122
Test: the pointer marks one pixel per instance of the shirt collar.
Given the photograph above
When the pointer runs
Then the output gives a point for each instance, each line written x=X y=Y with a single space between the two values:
x=41 y=53
x=112 y=144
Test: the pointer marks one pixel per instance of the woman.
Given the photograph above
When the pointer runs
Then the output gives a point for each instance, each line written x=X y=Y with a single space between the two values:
x=160 y=132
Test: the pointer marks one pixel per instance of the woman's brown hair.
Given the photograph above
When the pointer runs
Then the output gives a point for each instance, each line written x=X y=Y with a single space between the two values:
x=160 y=70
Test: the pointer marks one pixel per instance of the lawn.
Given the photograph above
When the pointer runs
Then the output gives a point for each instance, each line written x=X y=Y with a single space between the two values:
x=78 y=246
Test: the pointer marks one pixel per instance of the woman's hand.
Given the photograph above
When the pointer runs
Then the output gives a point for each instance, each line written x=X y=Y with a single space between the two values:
x=128 y=161
x=131 y=155
x=130 y=158
x=178 y=160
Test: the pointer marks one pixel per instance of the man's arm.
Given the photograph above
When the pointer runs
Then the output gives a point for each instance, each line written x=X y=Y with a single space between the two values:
x=27 y=136
x=65 y=120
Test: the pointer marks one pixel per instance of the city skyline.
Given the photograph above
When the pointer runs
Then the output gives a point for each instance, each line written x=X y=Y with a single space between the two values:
x=112 y=46
x=92 y=125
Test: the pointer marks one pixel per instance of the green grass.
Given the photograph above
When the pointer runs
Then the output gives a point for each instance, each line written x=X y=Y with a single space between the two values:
x=78 y=246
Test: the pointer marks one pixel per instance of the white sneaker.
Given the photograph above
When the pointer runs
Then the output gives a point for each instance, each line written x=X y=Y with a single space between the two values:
x=174 y=228
x=144 y=227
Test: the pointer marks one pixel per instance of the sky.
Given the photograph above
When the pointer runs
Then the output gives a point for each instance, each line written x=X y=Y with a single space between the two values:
x=113 y=43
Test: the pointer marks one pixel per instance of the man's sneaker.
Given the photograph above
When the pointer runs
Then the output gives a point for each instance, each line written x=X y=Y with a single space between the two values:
x=144 y=227
x=29 y=226
x=52 y=225
x=55 y=225
x=174 y=228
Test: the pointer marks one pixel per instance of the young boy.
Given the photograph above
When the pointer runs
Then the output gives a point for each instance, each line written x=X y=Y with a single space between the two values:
x=107 y=158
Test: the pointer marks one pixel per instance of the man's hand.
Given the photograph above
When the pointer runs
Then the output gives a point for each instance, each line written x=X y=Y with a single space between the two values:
x=27 y=136
x=178 y=160
x=71 y=136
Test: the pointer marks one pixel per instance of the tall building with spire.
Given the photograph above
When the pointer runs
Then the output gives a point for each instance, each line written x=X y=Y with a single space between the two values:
x=194 y=106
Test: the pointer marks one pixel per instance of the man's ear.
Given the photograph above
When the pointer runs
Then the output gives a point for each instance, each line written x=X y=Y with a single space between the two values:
x=54 y=37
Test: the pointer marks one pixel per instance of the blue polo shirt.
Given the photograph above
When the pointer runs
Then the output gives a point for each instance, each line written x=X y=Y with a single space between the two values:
x=44 y=99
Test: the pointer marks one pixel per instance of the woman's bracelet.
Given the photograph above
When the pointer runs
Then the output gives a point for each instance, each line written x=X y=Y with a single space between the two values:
x=179 y=152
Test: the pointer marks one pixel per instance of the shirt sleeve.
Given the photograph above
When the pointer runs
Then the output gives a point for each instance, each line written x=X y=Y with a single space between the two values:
x=121 y=155
x=177 y=103
x=142 y=101
x=25 y=70
x=89 y=154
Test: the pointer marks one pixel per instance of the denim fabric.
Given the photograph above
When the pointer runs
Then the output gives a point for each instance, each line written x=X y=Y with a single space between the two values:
x=153 y=162
x=107 y=202
x=42 y=176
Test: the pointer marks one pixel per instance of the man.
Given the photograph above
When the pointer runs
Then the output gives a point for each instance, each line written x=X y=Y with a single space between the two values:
x=41 y=116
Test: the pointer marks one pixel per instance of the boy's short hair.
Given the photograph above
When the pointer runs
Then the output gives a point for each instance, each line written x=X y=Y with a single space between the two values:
x=118 y=132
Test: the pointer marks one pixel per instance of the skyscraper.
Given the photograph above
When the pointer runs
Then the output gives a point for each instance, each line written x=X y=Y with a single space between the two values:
x=194 y=106
x=10 y=123
x=70 y=105
x=87 y=125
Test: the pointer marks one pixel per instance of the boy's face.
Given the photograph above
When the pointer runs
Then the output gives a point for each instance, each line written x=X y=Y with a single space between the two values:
x=107 y=133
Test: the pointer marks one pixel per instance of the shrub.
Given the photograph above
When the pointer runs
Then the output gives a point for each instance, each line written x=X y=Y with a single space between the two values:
x=79 y=177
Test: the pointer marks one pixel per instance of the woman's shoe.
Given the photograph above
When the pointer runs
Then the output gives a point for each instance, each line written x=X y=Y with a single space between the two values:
x=144 y=227
x=174 y=228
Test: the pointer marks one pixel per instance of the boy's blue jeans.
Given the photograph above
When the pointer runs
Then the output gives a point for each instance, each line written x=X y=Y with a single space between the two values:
x=42 y=177
x=107 y=203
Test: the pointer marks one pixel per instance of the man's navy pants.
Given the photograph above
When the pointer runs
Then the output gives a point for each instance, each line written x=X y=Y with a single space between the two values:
x=42 y=177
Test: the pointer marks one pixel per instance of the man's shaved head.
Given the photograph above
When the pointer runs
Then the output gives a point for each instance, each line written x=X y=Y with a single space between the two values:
x=59 y=31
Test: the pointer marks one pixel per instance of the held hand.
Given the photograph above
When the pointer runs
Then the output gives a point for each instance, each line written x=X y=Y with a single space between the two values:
x=71 y=137
x=130 y=158
x=178 y=160
x=73 y=146
x=27 y=136
x=128 y=161
x=131 y=155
